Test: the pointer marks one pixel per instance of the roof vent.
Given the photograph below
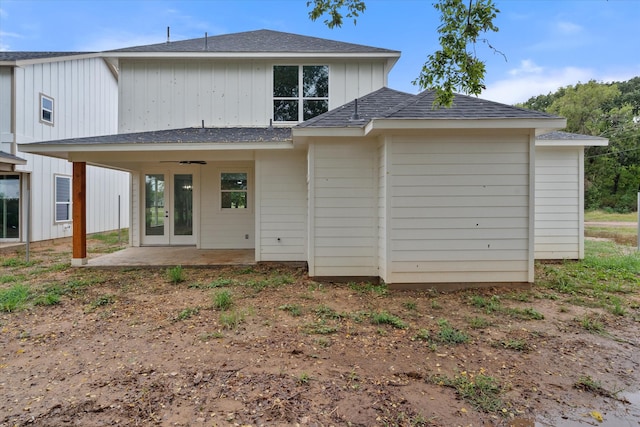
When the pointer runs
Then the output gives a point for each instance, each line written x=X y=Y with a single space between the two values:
x=206 y=41
x=168 y=35
x=355 y=117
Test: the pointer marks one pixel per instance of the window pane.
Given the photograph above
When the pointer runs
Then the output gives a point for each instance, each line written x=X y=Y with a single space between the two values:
x=62 y=212
x=63 y=189
x=314 y=108
x=315 y=79
x=233 y=181
x=47 y=104
x=285 y=111
x=46 y=116
x=154 y=205
x=234 y=200
x=285 y=81
x=183 y=205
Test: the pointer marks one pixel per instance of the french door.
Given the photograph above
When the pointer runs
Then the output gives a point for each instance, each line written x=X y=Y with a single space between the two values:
x=169 y=208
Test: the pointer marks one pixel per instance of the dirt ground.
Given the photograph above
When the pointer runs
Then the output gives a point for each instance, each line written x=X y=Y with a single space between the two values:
x=129 y=347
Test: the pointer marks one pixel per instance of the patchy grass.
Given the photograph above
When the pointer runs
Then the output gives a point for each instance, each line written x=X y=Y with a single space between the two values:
x=481 y=391
x=187 y=313
x=604 y=216
x=385 y=318
x=380 y=289
x=293 y=309
x=450 y=335
x=14 y=298
x=232 y=319
x=223 y=300
x=175 y=274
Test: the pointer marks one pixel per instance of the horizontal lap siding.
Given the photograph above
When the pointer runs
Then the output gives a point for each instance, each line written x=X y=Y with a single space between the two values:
x=558 y=203
x=283 y=205
x=345 y=209
x=459 y=209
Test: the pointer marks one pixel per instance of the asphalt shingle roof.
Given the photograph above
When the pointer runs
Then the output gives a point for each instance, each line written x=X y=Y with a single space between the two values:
x=258 y=41
x=567 y=136
x=387 y=103
x=23 y=56
x=7 y=156
x=187 y=135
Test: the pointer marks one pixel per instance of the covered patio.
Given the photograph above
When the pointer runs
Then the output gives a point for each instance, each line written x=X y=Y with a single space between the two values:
x=170 y=256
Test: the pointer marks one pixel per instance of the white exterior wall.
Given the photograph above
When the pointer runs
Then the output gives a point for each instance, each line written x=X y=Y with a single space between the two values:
x=383 y=196
x=559 y=218
x=343 y=208
x=225 y=228
x=85 y=104
x=281 y=205
x=460 y=209
x=174 y=94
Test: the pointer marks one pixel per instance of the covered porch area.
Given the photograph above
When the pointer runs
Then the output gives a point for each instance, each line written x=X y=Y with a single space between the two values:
x=170 y=256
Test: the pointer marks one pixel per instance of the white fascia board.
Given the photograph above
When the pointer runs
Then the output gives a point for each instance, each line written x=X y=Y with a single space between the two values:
x=379 y=125
x=600 y=142
x=327 y=132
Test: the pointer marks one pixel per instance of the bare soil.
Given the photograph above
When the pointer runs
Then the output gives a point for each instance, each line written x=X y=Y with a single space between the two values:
x=129 y=347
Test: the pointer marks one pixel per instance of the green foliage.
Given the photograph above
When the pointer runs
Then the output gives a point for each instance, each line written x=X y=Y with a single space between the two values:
x=609 y=110
x=455 y=66
x=334 y=9
x=293 y=309
x=450 y=335
x=176 y=274
x=187 y=313
x=320 y=327
x=385 y=318
x=481 y=391
x=366 y=287
x=223 y=300
x=14 y=298
x=231 y=319
x=101 y=301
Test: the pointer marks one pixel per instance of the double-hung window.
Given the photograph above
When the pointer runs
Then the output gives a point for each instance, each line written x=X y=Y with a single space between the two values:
x=300 y=92
x=46 y=109
x=233 y=190
x=63 y=198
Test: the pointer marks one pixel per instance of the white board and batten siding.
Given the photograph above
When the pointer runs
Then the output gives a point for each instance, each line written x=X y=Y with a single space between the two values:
x=559 y=217
x=460 y=209
x=281 y=205
x=222 y=93
x=85 y=104
x=343 y=223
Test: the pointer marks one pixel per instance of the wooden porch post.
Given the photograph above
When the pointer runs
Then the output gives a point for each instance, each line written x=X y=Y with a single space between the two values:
x=79 y=204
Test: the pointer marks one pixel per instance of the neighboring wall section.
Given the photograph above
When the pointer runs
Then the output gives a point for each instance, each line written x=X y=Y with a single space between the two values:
x=222 y=93
x=459 y=209
x=281 y=202
x=84 y=92
x=343 y=189
x=559 y=203
x=6 y=133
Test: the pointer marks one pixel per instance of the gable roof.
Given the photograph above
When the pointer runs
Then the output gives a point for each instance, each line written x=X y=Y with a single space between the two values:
x=390 y=104
x=259 y=41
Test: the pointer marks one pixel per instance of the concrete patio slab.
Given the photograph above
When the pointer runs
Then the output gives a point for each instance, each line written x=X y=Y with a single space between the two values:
x=165 y=256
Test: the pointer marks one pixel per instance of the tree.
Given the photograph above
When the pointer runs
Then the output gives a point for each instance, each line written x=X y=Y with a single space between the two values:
x=455 y=66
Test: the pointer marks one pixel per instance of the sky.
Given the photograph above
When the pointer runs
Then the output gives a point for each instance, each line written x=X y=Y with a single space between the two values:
x=543 y=44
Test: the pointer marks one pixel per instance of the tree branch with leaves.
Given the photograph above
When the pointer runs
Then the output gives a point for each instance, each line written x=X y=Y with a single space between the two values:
x=455 y=66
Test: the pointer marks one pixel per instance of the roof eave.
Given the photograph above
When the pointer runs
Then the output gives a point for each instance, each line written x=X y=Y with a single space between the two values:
x=381 y=125
x=591 y=142
x=23 y=62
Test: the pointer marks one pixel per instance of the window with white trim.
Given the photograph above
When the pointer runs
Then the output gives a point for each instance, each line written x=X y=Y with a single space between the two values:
x=46 y=109
x=300 y=92
x=233 y=190
x=63 y=198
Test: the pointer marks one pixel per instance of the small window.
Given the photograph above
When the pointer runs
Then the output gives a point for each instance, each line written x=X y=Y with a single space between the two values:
x=300 y=93
x=233 y=190
x=63 y=198
x=46 y=109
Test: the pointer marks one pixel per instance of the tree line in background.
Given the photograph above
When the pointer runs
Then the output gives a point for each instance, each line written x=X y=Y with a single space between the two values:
x=608 y=110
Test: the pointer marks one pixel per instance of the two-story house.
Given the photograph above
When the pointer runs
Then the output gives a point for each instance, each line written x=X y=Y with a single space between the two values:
x=47 y=96
x=293 y=146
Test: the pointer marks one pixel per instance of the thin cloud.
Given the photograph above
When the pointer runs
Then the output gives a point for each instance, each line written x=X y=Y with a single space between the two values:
x=565 y=27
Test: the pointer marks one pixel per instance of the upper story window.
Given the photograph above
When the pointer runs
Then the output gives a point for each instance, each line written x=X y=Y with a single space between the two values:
x=300 y=92
x=46 y=109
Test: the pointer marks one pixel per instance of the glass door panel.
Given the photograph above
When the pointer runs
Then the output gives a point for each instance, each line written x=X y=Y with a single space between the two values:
x=9 y=207
x=154 y=205
x=183 y=205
